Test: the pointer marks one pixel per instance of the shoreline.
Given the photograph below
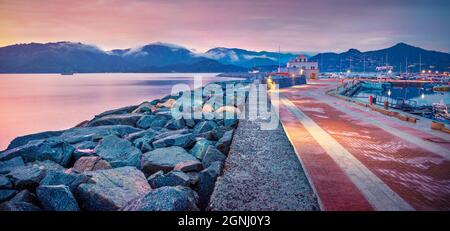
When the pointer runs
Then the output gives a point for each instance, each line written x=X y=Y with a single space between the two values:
x=142 y=146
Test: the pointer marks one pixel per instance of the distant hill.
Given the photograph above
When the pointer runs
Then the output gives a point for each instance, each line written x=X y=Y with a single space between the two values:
x=61 y=57
x=248 y=59
x=81 y=58
x=395 y=56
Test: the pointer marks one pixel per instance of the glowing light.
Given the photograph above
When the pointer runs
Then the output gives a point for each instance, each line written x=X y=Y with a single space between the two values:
x=349 y=71
x=389 y=92
x=423 y=72
x=422 y=96
x=390 y=71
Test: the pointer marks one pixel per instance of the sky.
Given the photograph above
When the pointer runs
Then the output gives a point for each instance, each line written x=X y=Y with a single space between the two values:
x=294 y=25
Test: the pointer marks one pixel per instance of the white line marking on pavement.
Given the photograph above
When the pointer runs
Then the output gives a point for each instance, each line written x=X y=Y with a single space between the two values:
x=429 y=146
x=379 y=195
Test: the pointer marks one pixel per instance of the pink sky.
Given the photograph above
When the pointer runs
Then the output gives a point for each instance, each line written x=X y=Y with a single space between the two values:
x=253 y=24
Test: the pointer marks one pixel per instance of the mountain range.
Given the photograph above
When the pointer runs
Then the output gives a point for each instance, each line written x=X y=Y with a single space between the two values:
x=61 y=57
x=401 y=56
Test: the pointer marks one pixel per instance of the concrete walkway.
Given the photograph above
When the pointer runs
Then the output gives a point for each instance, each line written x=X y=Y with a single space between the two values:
x=262 y=173
x=357 y=159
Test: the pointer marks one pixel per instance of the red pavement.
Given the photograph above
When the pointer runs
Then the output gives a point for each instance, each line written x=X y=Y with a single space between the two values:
x=420 y=177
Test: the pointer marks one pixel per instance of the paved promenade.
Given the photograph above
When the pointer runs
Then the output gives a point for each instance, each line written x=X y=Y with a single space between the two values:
x=358 y=159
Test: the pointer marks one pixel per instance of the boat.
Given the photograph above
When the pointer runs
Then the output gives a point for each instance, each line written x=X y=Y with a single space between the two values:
x=440 y=111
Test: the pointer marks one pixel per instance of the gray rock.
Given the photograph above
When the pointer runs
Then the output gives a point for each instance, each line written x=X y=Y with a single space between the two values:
x=118 y=152
x=91 y=163
x=149 y=133
x=25 y=196
x=224 y=143
x=85 y=148
x=22 y=140
x=152 y=121
x=173 y=178
x=168 y=133
x=206 y=182
x=174 y=124
x=181 y=140
x=232 y=123
x=190 y=122
x=112 y=189
x=144 y=143
x=212 y=155
x=77 y=135
x=218 y=132
x=116 y=119
x=18 y=206
x=165 y=199
x=189 y=166
x=200 y=147
x=56 y=150
x=193 y=177
x=8 y=165
x=30 y=175
x=164 y=159
x=5 y=183
x=118 y=111
x=6 y=194
x=145 y=108
x=71 y=180
x=56 y=198
x=204 y=126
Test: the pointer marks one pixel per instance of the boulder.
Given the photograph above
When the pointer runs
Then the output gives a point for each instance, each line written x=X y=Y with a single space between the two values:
x=174 y=124
x=181 y=140
x=29 y=176
x=204 y=126
x=71 y=180
x=212 y=155
x=164 y=159
x=218 y=132
x=173 y=178
x=152 y=121
x=231 y=123
x=112 y=189
x=5 y=183
x=120 y=119
x=165 y=199
x=200 y=147
x=18 y=206
x=189 y=166
x=145 y=107
x=25 y=196
x=149 y=133
x=167 y=133
x=85 y=148
x=193 y=177
x=167 y=104
x=118 y=111
x=56 y=198
x=8 y=165
x=206 y=182
x=6 y=194
x=224 y=143
x=22 y=140
x=56 y=150
x=118 y=152
x=77 y=135
x=190 y=122
x=91 y=163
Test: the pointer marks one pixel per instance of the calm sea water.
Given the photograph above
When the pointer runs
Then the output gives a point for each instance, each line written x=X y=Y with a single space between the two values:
x=31 y=103
x=421 y=96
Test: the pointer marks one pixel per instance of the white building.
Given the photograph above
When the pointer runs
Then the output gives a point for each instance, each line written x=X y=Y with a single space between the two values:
x=301 y=66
